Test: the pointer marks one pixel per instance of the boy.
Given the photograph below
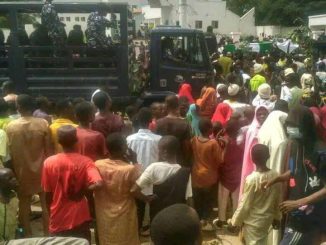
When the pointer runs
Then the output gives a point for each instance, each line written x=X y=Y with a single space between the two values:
x=90 y=143
x=66 y=178
x=207 y=158
x=259 y=208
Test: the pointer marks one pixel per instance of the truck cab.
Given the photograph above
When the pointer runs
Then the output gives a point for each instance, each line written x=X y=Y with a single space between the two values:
x=178 y=51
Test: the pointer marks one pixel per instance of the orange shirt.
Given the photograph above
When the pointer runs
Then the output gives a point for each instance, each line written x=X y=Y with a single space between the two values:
x=208 y=156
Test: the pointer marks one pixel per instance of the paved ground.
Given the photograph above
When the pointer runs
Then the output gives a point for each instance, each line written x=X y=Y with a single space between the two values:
x=220 y=237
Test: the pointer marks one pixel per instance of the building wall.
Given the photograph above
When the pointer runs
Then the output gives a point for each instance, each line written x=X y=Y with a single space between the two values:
x=274 y=30
x=247 y=24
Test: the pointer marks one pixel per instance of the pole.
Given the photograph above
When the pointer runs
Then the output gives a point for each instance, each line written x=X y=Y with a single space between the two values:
x=183 y=13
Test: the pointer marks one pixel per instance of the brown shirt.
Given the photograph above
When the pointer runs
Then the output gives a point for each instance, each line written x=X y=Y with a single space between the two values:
x=29 y=143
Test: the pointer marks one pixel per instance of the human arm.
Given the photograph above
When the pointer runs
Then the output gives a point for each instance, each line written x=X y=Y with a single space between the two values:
x=136 y=193
x=281 y=178
x=291 y=205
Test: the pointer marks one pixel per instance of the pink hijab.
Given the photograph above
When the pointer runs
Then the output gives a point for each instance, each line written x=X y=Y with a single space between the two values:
x=222 y=114
x=251 y=139
x=185 y=90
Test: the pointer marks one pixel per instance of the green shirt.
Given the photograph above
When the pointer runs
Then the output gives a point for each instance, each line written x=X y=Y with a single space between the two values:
x=256 y=81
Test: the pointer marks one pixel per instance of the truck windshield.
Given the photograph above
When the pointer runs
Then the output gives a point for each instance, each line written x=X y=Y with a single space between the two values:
x=181 y=50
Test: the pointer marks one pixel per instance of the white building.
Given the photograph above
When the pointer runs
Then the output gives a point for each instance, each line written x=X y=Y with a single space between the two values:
x=317 y=24
x=200 y=14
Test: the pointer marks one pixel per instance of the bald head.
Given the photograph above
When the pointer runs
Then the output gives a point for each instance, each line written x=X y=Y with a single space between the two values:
x=176 y=225
x=67 y=136
x=8 y=180
x=168 y=147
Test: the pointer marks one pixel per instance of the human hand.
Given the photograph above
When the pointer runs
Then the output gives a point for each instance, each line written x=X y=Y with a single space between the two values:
x=289 y=206
x=273 y=98
x=131 y=156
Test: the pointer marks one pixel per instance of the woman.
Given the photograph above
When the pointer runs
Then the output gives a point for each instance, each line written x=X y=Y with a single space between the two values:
x=207 y=103
x=116 y=211
x=185 y=90
x=272 y=134
x=222 y=114
x=248 y=166
x=193 y=118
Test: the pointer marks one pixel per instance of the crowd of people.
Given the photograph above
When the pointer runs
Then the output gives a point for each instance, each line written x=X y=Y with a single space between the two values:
x=252 y=145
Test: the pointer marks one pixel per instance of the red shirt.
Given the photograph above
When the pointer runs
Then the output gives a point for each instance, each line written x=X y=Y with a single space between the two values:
x=107 y=124
x=91 y=144
x=66 y=175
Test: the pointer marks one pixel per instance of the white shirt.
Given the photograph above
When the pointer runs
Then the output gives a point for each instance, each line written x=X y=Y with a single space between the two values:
x=145 y=144
x=286 y=94
x=259 y=101
x=237 y=106
x=159 y=172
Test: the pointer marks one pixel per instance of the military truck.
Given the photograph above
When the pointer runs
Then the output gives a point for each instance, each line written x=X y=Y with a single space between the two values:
x=77 y=71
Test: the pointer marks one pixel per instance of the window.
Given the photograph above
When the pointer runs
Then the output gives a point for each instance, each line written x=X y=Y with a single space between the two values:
x=198 y=24
x=76 y=18
x=62 y=19
x=215 y=24
x=182 y=50
x=68 y=19
x=82 y=19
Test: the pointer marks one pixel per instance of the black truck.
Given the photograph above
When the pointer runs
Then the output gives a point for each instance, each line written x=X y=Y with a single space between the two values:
x=77 y=71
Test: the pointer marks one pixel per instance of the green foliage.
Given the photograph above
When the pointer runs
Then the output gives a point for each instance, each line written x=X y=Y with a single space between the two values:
x=277 y=12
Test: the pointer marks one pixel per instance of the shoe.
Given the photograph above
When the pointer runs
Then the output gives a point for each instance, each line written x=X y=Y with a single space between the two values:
x=219 y=223
x=207 y=227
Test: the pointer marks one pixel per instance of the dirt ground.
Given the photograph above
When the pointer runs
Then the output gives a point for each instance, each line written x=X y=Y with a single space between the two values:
x=219 y=237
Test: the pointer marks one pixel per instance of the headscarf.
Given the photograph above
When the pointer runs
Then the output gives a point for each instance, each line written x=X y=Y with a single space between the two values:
x=272 y=134
x=207 y=102
x=185 y=90
x=194 y=118
x=251 y=139
x=222 y=114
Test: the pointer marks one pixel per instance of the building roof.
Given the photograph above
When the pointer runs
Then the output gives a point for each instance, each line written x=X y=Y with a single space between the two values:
x=175 y=29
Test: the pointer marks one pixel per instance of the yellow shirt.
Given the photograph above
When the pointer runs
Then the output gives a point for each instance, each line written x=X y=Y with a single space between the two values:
x=54 y=129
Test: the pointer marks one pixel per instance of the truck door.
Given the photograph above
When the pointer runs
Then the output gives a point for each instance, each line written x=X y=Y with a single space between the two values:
x=180 y=54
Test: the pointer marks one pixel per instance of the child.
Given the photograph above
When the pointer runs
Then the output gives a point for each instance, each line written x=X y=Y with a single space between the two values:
x=230 y=172
x=259 y=208
x=207 y=158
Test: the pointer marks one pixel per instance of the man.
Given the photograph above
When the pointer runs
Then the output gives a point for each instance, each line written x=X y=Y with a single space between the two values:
x=174 y=125
x=4 y=114
x=175 y=225
x=66 y=178
x=29 y=145
x=236 y=75
x=170 y=182
x=55 y=27
x=65 y=116
x=8 y=89
x=96 y=27
x=90 y=143
x=233 y=101
x=145 y=144
x=105 y=121
x=8 y=204
x=257 y=80
x=226 y=62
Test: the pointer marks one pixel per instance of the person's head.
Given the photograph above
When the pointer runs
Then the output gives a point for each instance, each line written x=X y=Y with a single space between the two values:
x=144 y=117
x=217 y=128
x=281 y=105
x=258 y=68
x=237 y=66
x=8 y=181
x=261 y=114
x=156 y=109
x=232 y=128
x=265 y=91
x=249 y=114
x=322 y=67
x=172 y=103
x=64 y=109
x=131 y=111
x=168 y=147
x=233 y=91
x=205 y=127
x=183 y=106
x=102 y=101
x=43 y=103
x=292 y=80
x=178 y=224
x=4 y=108
x=164 y=111
x=117 y=145
x=222 y=91
x=260 y=155
x=102 y=9
x=8 y=87
x=76 y=101
x=67 y=137
x=85 y=112
x=25 y=104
